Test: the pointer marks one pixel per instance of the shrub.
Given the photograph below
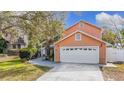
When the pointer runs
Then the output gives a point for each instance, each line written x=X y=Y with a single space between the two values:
x=3 y=45
x=13 y=52
x=27 y=53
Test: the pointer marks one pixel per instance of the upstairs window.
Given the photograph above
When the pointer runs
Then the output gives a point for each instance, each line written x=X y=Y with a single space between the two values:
x=78 y=37
x=81 y=24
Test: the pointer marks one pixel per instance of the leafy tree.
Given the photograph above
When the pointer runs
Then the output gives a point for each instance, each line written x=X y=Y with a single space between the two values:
x=109 y=37
x=115 y=24
x=122 y=36
x=7 y=25
x=41 y=26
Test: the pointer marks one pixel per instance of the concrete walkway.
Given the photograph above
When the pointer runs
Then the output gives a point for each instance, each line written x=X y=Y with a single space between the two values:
x=39 y=61
x=73 y=72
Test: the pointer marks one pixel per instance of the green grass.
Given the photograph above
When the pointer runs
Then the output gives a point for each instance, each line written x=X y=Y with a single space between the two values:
x=15 y=70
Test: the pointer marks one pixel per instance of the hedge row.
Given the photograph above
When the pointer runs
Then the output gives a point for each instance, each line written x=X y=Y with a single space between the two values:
x=27 y=53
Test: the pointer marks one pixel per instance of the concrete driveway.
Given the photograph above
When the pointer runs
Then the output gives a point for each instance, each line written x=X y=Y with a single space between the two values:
x=73 y=72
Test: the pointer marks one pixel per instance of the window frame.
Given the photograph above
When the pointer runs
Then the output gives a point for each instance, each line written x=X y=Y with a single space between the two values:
x=77 y=38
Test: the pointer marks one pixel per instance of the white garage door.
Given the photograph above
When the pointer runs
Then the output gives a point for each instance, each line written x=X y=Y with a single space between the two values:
x=83 y=54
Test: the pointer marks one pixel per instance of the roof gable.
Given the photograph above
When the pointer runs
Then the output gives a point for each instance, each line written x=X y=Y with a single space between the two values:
x=91 y=24
x=86 y=27
x=81 y=33
x=82 y=21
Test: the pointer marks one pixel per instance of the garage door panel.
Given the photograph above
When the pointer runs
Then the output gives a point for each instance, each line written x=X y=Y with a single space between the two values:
x=83 y=54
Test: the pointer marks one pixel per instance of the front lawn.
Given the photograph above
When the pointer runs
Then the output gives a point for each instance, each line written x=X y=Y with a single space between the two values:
x=13 y=69
x=113 y=73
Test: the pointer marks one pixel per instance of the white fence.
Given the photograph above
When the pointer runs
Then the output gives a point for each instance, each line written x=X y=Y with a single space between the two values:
x=114 y=54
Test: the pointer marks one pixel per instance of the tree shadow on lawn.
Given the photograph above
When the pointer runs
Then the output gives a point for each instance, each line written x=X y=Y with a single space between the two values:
x=12 y=72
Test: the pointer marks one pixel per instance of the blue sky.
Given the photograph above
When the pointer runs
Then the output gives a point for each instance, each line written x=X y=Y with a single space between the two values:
x=89 y=16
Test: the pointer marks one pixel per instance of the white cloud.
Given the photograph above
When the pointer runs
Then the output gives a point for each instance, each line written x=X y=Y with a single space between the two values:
x=108 y=20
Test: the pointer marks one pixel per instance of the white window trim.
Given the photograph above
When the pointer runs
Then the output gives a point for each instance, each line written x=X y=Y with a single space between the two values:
x=76 y=37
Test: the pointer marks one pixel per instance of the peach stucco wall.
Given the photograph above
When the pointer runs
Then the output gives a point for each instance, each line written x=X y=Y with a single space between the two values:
x=85 y=41
x=88 y=28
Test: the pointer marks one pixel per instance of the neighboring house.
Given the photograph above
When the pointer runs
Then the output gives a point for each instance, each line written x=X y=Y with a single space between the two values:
x=18 y=44
x=13 y=45
x=21 y=41
x=81 y=43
